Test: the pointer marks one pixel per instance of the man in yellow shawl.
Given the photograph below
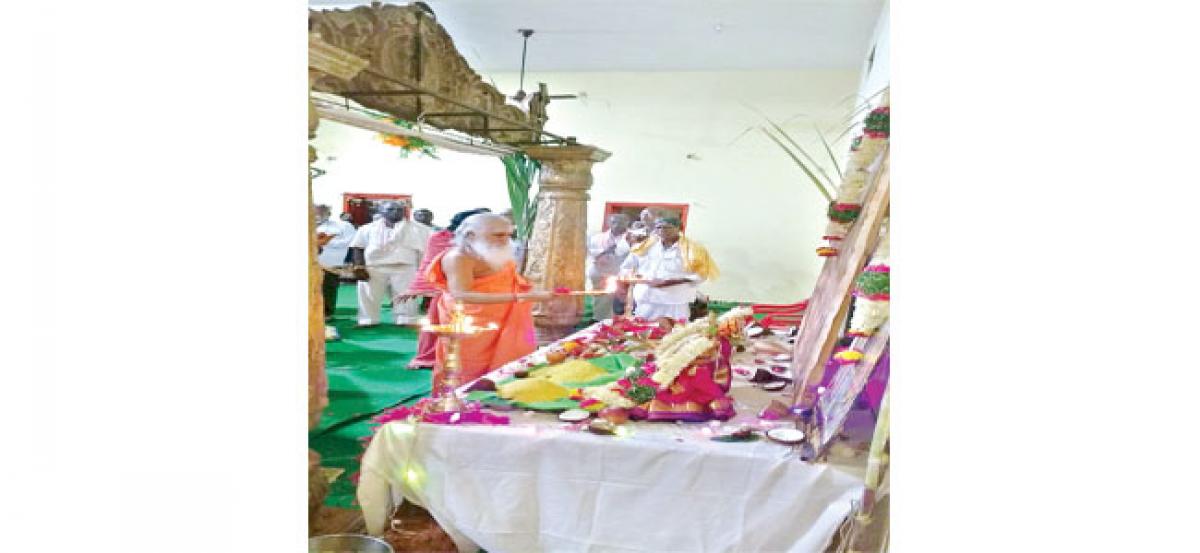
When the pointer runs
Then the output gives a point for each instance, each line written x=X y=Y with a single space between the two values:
x=674 y=267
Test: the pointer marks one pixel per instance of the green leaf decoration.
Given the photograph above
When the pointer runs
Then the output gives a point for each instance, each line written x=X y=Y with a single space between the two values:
x=520 y=171
x=871 y=283
x=843 y=214
x=878 y=121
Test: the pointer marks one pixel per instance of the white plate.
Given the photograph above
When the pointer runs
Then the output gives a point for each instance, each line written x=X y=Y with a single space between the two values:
x=783 y=357
x=786 y=435
x=574 y=415
x=775 y=386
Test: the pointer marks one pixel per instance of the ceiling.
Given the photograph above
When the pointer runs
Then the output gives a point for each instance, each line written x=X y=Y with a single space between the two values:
x=656 y=35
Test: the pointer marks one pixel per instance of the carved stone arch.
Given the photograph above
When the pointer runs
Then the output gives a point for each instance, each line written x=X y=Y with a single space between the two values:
x=405 y=44
x=403 y=51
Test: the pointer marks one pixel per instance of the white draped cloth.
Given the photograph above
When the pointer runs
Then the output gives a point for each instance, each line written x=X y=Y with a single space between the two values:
x=540 y=485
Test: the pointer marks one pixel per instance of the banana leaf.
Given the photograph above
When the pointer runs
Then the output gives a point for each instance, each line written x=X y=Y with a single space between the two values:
x=520 y=172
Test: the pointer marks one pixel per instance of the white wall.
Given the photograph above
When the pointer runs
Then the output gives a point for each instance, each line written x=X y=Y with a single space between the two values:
x=361 y=163
x=749 y=203
x=878 y=75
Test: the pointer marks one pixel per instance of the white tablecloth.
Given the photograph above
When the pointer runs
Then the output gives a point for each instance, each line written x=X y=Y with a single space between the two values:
x=543 y=485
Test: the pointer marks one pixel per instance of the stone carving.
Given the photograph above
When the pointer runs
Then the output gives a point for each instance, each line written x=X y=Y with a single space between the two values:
x=558 y=245
x=332 y=60
x=404 y=42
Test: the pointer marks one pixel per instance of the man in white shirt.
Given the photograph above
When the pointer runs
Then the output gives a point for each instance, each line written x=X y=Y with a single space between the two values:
x=606 y=251
x=674 y=265
x=334 y=235
x=386 y=254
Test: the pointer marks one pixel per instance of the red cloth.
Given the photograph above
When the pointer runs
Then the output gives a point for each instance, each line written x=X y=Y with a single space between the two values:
x=439 y=242
x=698 y=393
x=427 y=342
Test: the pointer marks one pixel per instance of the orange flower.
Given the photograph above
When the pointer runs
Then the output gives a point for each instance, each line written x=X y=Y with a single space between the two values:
x=395 y=140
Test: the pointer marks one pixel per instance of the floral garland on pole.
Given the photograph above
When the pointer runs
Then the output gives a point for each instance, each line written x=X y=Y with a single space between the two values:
x=408 y=144
x=845 y=209
x=873 y=290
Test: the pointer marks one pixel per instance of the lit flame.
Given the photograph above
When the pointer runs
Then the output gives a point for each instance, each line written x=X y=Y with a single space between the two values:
x=492 y=326
x=610 y=285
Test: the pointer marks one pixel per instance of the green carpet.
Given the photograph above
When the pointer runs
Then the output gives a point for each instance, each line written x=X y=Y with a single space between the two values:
x=367 y=374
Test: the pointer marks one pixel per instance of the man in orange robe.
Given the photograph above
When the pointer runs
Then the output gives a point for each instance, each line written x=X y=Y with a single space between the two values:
x=480 y=273
x=438 y=243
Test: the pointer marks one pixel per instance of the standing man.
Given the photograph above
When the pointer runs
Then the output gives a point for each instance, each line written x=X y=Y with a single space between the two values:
x=425 y=217
x=648 y=217
x=606 y=252
x=421 y=287
x=334 y=235
x=675 y=267
x=479 y=272
x=386 y=253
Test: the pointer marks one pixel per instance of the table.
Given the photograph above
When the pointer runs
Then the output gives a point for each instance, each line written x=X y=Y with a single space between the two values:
x=543 y=485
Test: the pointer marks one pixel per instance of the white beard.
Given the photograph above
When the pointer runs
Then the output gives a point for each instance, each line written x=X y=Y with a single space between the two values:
x=495 y=256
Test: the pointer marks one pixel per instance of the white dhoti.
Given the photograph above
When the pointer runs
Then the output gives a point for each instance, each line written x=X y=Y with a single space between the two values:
x=388 y=281
x=652 y=311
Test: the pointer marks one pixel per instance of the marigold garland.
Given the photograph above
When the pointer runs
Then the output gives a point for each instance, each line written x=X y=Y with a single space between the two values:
x=408 y=144
x=847 y=356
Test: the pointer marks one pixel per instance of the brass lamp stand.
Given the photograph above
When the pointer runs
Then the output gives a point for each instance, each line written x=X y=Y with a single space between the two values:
x=459 y=326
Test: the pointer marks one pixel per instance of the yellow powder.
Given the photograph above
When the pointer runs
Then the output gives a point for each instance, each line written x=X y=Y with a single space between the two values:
x=575 y=370
x=530 y=390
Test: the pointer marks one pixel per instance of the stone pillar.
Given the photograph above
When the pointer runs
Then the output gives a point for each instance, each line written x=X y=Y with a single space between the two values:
x=323 y=59
x=318 y=389
x=558 y=246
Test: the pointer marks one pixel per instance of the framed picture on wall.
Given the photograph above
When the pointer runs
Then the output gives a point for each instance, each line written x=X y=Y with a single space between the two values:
x=633 y=210
x=361 y=206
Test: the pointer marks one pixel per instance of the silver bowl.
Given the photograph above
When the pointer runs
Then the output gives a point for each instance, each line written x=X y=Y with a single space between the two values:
x=347 y=543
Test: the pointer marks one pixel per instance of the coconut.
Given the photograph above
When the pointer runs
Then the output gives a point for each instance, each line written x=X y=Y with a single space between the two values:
x=615 y=415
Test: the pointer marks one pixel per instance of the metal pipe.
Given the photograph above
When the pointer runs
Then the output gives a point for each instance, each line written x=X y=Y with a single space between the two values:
x=376 y=92
x=369 y=123
x=480 y=111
